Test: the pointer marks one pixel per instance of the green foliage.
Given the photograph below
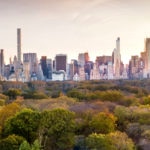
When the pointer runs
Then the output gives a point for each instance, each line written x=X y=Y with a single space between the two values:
x=12 y=142
x=13 y=93
x=4 y=97
x=25 y=146
x=7 y=111
x=112 y=95
x=112 y=141
x=144 y=118
x=120 y=141
x=122 y=114
x=109 y=95
x=2 y=102
x=129 y=101
x=25 y=124
x=146 y=134
x=58 y=126
x=104 y=87
x=103 y=123
x=34 y=95
x=146 y=100
x=56 y=129
x=83 y=123
x=132 y=114
x=55 y=94
x=35 y=145
x=98 y=142
x=76 y=94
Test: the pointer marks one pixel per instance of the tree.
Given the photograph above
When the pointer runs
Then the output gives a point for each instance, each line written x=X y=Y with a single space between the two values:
x=25 y=146
x=103 y=123
x=98 y=142
x=35 y=145
x=3 y=99
x=83 y=122
x=76 y=94
x=25 y=124
x=112 y=141
x=58 y=127
x=12 y=142
x=34 y=95
x=13 y=93
x=123 y=114
x=8 y=111
x=121 y=141
x=111 y=95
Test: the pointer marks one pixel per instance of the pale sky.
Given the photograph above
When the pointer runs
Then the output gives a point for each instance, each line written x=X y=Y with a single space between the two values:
x=51 y=27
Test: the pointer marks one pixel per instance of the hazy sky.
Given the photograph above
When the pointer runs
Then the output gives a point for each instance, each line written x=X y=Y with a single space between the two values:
x=52 y=27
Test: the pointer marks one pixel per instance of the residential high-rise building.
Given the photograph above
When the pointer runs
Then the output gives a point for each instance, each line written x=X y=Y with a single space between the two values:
x=86 y=57
x=142 y=64
x=2 y=62
x=44 y=66
x=103 y=60
x=19 y=45
x=116 y=59
x=87 y=69
x=94 y=73
x=147 y=56
x=61 y=62
x=83 y=58
x=73 y=68
x=50 y=68
x=134 y=67
x=30 y=64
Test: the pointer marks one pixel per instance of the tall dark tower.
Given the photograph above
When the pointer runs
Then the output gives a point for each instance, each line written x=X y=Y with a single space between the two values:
x=1 y=62
x=61 y=62
x=19 y=44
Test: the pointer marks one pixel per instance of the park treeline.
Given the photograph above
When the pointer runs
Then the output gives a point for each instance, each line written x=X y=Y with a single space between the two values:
x=109 y=115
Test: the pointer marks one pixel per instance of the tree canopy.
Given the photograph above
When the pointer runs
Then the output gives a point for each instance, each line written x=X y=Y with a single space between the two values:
x=58 y=125
x=25 y=123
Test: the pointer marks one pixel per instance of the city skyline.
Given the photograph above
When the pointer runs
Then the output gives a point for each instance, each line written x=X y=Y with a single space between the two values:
x=72 y=27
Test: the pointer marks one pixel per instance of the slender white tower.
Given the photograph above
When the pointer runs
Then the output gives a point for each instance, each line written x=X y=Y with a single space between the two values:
x=19 y=44
x=117 y=59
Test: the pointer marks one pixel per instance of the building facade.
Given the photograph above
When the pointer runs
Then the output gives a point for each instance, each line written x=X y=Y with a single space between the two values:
x=61 y=62
x=30 y=65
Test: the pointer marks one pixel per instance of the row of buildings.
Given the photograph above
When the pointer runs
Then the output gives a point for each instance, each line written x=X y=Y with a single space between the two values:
x=139 y=66
x=29 y=68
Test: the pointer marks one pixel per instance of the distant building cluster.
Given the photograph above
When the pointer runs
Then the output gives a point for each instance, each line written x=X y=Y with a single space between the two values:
x=29 y=68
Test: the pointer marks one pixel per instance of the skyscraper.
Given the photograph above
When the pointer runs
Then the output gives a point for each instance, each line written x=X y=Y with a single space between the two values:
x=44 y=66
x=86 y=56
x=147 y=56
x=30 y=65
x=19 y=44
x=61 y=62
x=81 y=59
x=117 y=59
x=73 y=68
x=134 y=67
x=2 y=62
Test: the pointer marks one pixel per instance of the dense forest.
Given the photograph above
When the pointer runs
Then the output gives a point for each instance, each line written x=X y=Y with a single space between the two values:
x=89 y=115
